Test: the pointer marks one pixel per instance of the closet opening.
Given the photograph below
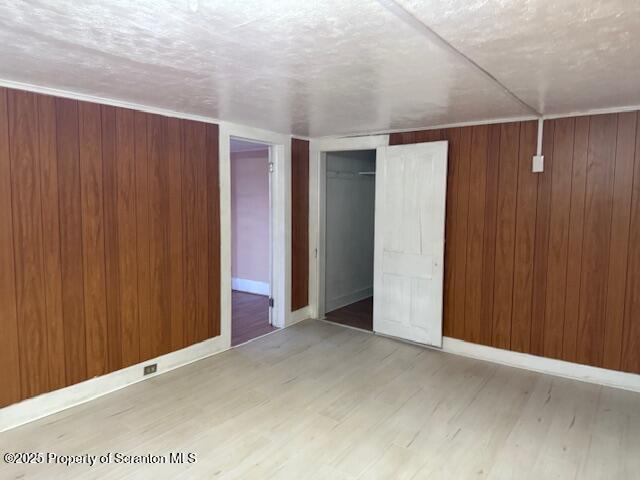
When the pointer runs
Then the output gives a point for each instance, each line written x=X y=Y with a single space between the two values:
x=349 y=214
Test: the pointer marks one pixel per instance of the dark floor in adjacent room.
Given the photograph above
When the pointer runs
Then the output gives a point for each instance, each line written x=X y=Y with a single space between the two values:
x=357 y=315
x=250 y=317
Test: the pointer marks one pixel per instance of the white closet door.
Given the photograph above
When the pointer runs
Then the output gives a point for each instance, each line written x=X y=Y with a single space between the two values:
x=411 y=184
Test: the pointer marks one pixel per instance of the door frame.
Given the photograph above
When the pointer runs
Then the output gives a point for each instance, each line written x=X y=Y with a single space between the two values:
x=280 y=155
x=318 y=149
x=271 y=160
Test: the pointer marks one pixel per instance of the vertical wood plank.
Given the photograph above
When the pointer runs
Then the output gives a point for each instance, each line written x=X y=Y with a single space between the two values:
x=460 y=273
x=189 y=186
x=543 y=209
x=202 y=230
x=619 y=246
x=111 y=250
x=452 y=135
x=27 y=241
x=174 y=157
x=9 y=355
x=127 y=214
x=156 y=340
x=427 y=136
x=558 y=237
x=505 y=234
x=213 y=203
x=141 y=161
x=574 y=251
x=475 y=236
x=401 y=138
x=195 y=233
x=71 y=240
x=299 y=224
x=91 y=194
x=524 y=240
x=597 y=236
x=630 y=361
x=490 y=220
x=51 y=240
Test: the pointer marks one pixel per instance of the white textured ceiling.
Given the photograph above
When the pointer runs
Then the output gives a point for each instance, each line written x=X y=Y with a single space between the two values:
x=327 y=67
x=558 y=56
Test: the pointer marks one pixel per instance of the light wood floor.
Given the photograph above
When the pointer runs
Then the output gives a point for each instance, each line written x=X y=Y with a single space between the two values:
x=320 y=401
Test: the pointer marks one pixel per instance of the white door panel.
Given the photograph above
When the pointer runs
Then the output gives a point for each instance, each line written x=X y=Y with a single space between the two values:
x=411 y=182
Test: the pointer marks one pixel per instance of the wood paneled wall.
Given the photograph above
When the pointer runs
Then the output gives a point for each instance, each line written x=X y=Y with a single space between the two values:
x=109 y=239
x=299 y=224
x=547 y=264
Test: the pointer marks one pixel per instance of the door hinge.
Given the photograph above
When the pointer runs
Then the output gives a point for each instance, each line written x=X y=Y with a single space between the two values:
x=270 y=167
x=271 y=302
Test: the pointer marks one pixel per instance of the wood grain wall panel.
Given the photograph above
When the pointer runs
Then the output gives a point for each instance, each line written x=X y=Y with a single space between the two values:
x=596 y=238
x=141 y=161
x=299 y=223
x=71 y=252
x=27 y=241
x=91 y=194
x=475 y=232
x=51 y=240
x=176 y=252
x=111 y=250
x=400 y=138
x=71 y=239
x=576 y=222
x=9 y=355
x=619 y=244
x=490 y=220
x=202 y=231
x=630 y=360
x=543 y=212
x=462 y=212
x=96 y=240
x=191 y=190
x=559 y=250
x=430 y=135
x=127 y=237
x=213 y=204
x=524 y=240
x=558 y=237
x=157 y=339
x=505 y=235
x=450 y=259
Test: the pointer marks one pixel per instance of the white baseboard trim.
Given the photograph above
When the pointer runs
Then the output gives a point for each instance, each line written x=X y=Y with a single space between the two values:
x=574 y=371
x=348 y=299
x=250 y=286
x=52 y=402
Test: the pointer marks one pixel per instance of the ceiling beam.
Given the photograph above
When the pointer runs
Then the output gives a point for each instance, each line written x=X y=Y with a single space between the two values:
x=418 y=25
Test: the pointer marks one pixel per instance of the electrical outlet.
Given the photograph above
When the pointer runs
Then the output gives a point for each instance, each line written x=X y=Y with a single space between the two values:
x=538 y=164
x=149 y=369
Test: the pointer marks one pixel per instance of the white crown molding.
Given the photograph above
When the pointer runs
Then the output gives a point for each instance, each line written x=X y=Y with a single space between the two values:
x=105 y=101
x=595 y=111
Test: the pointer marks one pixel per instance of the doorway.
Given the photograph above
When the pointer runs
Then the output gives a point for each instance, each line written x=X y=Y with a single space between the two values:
x=349 y=237
x=251 y=240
